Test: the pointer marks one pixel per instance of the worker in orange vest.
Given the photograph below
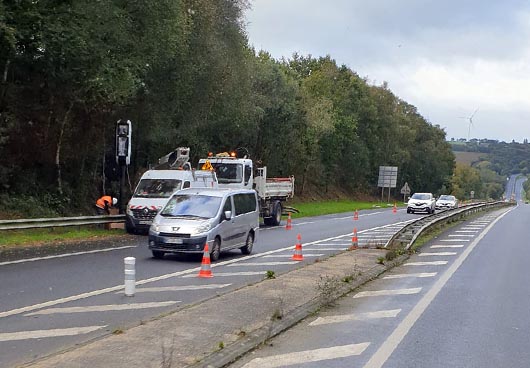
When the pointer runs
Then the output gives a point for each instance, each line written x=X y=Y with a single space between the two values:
x=104 y=204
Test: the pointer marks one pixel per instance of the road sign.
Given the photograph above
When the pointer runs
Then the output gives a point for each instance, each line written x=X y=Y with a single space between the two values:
x=387 y=176
x=406 y=189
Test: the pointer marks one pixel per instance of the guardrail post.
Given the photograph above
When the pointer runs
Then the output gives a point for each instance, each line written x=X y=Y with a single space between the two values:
x=130 y=276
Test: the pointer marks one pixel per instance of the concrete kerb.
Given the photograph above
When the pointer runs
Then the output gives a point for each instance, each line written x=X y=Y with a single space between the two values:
x=254 y=339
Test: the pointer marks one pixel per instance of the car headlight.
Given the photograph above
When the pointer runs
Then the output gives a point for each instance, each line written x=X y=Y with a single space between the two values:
x=128 y=211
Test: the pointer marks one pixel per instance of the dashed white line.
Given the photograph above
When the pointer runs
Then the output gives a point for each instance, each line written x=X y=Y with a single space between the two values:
x=427 y=254
x=308 y=356
x=355 y=317
x=181 y=288
x=40 y=334
x=257 y=264
x=433 y=263
x=103 y=308
x=66 y=255
x=406 y=275
x=226 y=274
x=454 y=240
x=436 y=246
x=290 y=255
x=410 y=291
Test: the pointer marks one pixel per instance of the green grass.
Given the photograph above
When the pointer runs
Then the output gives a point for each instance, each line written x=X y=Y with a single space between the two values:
x=34 y=236
x=308 y=209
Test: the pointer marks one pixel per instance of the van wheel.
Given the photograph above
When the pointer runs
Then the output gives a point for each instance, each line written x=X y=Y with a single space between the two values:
x=277 y=214
x=216 y=250
x=158 y=254
x=247 y=249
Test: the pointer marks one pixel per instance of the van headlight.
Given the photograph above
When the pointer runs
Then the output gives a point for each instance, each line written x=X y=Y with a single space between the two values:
x=155 y=228
x=202 y=228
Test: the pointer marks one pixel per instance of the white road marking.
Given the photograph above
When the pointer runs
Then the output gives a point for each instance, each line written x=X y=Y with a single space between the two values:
x=308 y=356
x=434 y=263
x=410 y=291
x=405 y=275
x=437 y=254
x=66 y=255
x=467 y=231
x=40 y=334
x=355 y=317
x=329 y=249
x=180 y=288
x=188 y=272
x=436 y=246
x=456 y=235
x=290 y=255
x=387 y=348
x=225 y=274
x=454 y=240
x=257 y=264
x=338 y=245
x=103 y=308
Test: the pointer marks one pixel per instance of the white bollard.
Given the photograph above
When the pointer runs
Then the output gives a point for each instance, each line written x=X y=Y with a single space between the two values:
x=130 y=276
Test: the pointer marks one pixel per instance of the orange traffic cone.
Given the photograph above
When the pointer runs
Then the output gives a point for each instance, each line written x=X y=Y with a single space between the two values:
x=354 y=240
x=394 y=209
x=289 y=225
x=206 y=270
x=297 y=256
x=356 y=215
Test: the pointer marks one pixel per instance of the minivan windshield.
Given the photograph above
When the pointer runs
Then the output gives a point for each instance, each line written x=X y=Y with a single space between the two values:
x=421 y=196
x=156 y=188
x=186 y=205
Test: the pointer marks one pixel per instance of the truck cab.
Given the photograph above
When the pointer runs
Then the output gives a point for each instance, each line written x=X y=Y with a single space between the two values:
x=239 y=173
x=232 y=172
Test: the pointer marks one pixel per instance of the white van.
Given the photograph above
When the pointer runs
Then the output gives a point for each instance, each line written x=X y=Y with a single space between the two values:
x=224 y=218
x=154 y=189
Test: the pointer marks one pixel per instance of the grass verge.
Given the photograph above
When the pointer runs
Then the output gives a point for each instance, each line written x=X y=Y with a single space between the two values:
x=308 y=209
x=17 y=238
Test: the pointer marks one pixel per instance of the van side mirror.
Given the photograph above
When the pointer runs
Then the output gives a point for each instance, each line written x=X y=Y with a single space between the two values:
x=227 y=215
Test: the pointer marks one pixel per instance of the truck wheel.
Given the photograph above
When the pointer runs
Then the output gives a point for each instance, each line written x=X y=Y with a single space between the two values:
x=247 y=249
x=157 y=254
x=130 y=228
x=267 y=221
x=277 y=214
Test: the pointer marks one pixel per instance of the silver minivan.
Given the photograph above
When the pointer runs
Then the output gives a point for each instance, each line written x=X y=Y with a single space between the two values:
x=223 y=218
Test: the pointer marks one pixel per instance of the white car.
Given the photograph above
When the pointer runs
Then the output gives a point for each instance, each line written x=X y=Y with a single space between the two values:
x=446 y=202
x=421 y=202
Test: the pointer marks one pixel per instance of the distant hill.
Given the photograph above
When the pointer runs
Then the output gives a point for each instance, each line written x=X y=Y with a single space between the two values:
x=469 y=158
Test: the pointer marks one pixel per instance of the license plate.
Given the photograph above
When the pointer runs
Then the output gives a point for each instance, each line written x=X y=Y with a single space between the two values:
x=174 y=240
x=145 y=222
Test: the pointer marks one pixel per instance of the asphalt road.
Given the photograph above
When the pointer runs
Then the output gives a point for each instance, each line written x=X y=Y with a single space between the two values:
x=462 y=302
x=51 y=304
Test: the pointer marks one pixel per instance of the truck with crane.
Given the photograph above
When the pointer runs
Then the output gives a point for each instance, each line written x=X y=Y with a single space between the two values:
x=239 y=172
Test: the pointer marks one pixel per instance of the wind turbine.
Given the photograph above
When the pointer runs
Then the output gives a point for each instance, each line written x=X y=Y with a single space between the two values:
x=470 y=118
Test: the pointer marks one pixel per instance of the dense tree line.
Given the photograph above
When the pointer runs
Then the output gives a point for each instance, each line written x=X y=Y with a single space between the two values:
x=183 y=72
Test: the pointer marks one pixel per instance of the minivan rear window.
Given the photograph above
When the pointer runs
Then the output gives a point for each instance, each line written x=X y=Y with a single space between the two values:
x=192 y=206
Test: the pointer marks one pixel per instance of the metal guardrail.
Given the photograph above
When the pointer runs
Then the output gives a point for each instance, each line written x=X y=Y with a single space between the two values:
x=409 y=233
x=59 y=222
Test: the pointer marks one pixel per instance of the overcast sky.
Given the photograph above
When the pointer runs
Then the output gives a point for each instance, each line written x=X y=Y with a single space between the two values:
x=446 y=57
